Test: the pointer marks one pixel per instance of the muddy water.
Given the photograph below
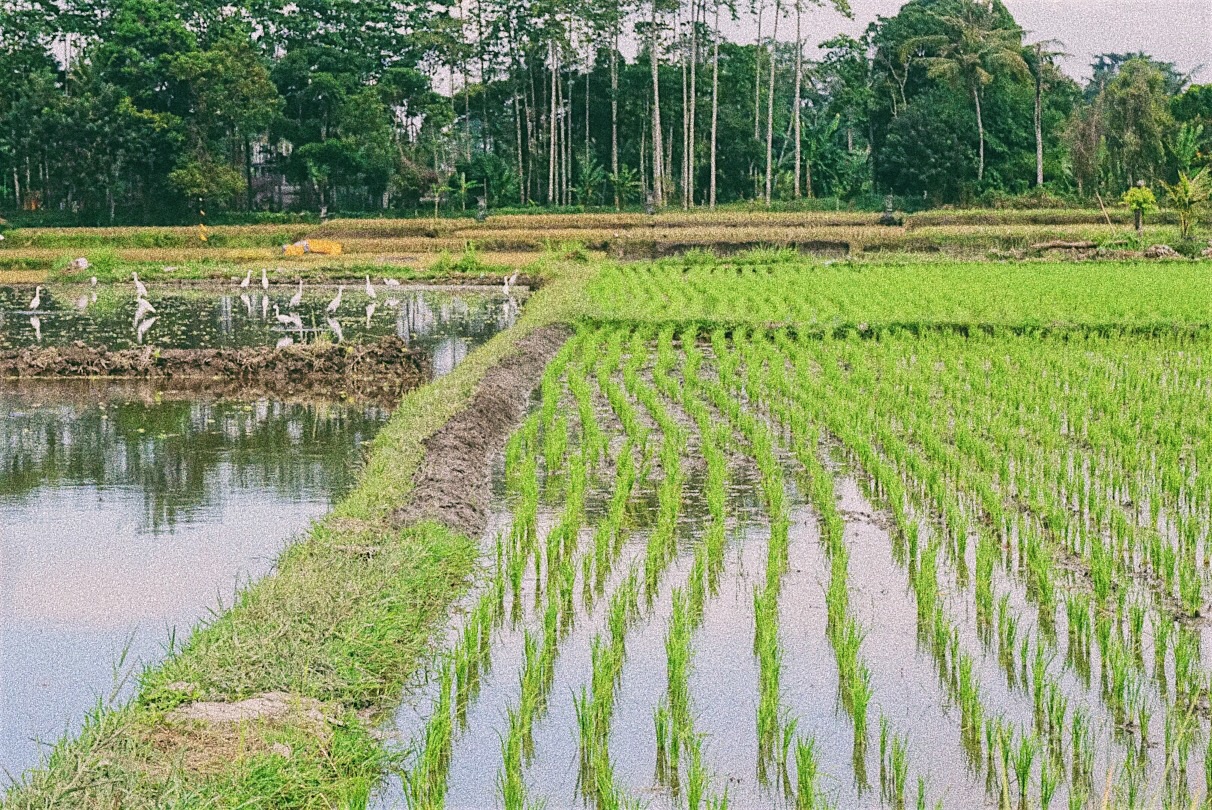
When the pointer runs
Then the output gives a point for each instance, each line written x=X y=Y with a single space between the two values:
x=444 y=321
x=125 y=517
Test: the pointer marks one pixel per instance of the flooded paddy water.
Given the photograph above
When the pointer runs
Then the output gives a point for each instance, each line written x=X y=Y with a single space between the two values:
x=128 y=512
x=445 y=322
x=582 y=669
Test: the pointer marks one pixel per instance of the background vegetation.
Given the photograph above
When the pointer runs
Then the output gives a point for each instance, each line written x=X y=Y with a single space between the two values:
x=149 y=111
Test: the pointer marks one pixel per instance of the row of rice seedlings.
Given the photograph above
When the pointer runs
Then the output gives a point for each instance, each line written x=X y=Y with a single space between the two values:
x=1098 y=478
x=1053 y=700
x=595 y=706
x=768 y=383
x=662 y=542
x=427 y=781
x=776 y=731
x=1102 y=574
x=964 y=688
x=956 y=676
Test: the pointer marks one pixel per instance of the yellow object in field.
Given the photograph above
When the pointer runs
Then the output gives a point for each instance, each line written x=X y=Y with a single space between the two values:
x=323 y=247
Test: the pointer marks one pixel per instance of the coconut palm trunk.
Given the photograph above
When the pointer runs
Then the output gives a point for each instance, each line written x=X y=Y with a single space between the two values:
x=614 y=119
x=770 y=106
x=795 y=107
x=715 y=102
x=658 y=168
x=980 y=129
x=1039 y=127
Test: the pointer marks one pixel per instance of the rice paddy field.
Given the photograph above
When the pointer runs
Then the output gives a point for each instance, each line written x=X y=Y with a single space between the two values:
x=764 y=530
x=777 y=535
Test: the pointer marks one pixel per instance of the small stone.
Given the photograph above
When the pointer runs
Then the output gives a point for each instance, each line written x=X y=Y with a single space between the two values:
x=282 y=749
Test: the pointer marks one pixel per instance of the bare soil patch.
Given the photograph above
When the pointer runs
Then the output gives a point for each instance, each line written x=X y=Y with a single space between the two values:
x=453 y=484
x=379 y=370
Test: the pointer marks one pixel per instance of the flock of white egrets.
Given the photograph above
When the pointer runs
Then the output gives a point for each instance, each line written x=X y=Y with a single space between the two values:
x=289 y=321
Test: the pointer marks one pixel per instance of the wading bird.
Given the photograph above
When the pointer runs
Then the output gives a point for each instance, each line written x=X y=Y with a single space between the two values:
x=335 y=303
x=370 y=290
x=93 y=281
x=142 y=328
x=140 y=288
x=82 y=303
x=247 y=302
x=297 y=298
x=143 y=309
x=247 y=280
x=335 y=326
x=264 y=280
x=36 y=301
x=391 y=282
x=370 y=312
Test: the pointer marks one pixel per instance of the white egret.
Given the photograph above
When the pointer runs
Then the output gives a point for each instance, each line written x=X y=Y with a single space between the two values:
x=142 y=328
x=143 y=309
x=93 y=281
x=264 y=280
x=140 y=288
x=247 y=280
x=297 y=298
x=247 y=302
x=283 y=319
x=335 y=326
x=370 y=290
x=391 y=282
x=36 y=301
x=370 y=312
x=82 y=303
x=36 y=323
x=335 y=303
x=264 y=307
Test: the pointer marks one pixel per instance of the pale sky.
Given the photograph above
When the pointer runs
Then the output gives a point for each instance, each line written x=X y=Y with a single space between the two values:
x=1178 y=31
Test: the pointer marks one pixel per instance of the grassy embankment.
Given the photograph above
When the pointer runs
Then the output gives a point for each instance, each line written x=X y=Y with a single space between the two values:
x=342 y=624
x=429 y=248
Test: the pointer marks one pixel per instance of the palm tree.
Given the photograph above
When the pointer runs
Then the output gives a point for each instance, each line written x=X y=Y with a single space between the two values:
x=1044 y=70
x=969 y=55
x=715 y=101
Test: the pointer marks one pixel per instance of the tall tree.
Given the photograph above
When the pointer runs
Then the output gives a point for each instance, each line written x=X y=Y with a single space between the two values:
x=975 y=48
x=1044 y=71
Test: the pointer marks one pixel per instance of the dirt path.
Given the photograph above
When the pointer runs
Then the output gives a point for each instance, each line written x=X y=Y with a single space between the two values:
x=453 y=483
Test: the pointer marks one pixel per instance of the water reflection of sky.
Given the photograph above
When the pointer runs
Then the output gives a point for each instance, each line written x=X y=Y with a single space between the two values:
x=447 y=322
x=128 y=513
x=123 y=516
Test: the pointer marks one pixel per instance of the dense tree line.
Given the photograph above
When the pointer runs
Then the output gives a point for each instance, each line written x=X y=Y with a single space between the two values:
x=149 y=110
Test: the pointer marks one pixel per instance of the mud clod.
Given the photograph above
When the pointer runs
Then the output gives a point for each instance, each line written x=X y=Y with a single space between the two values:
x=381 y=369
x=453 y=484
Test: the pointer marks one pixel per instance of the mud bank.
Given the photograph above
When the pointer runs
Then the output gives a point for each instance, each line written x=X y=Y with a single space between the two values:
x=380 y=370
x=453 y=485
